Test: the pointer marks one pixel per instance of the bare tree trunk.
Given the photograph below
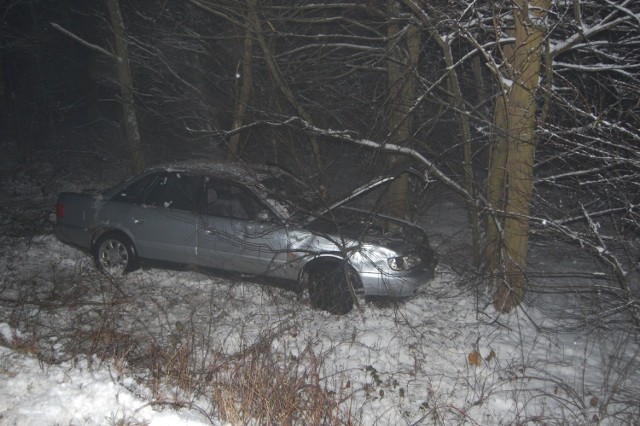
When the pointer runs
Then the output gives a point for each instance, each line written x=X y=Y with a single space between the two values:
x=465 y=135
x=246 y=75
x=402 y=93
x=126 y=87
x=496 y=187
x=516 y=118
x=476 y=68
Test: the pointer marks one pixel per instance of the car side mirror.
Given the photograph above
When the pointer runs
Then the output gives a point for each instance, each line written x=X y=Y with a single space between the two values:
x=263 y=216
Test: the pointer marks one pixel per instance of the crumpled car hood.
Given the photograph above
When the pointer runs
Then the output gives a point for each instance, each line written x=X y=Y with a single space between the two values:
x=367 y=227
x=338 y=220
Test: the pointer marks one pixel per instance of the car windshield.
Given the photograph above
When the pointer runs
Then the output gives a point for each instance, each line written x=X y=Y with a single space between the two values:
x=298 y=198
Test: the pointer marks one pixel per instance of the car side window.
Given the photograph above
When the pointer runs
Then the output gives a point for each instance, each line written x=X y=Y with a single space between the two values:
x=229 y=200
x=175 y=191
x=134 y=192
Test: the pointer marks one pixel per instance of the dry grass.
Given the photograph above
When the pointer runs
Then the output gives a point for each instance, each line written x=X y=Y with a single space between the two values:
x=263 y=387
x=178 y=361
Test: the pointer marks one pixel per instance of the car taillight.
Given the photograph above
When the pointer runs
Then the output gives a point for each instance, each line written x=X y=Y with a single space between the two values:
x=59 y=210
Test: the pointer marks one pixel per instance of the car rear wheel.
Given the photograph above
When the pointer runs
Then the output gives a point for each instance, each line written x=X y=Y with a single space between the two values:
x=329 y=288
x=115 y=254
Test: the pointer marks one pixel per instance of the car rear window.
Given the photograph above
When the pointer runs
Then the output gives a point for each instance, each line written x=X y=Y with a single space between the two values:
x=134 y=193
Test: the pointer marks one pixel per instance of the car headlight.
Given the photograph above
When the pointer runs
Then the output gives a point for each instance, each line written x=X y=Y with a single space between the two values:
x=402 y=263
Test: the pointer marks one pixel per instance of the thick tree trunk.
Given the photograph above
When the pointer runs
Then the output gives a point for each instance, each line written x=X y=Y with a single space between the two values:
x=496 y=187
x=516 y=122
x=402 y=93
x=247 y=81
x=126 y=87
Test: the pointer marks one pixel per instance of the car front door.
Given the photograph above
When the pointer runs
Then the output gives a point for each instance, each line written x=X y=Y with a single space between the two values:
x=237 y=232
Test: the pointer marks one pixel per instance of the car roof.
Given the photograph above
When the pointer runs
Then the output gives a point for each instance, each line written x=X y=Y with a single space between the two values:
x=248 y=173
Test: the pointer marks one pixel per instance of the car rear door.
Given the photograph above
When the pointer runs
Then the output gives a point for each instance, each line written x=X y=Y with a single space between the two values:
x=161 y=217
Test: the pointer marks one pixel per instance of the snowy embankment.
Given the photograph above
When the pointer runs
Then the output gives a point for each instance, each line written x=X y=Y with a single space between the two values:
x=416 y=361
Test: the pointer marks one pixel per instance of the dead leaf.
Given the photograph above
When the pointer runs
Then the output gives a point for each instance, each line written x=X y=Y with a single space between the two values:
x=475 y=358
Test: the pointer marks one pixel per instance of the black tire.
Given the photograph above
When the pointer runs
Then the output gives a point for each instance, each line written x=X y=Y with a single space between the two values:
x=328 y=288
x=114 y=254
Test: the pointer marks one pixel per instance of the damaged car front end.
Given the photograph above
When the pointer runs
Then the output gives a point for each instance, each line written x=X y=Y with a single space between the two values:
x=386 y=256
x=392 y=258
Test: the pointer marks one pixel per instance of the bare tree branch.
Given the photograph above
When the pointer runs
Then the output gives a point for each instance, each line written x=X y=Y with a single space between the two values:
x=84 y=42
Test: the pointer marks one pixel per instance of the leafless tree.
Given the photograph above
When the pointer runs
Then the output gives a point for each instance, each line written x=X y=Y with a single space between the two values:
x=126 y=86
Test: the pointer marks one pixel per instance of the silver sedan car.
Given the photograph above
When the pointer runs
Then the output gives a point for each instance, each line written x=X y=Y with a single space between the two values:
x=252 y=219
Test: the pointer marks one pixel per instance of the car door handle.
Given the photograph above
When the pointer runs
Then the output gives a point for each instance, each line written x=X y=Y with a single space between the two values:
x=138 y=221
x=209 y=231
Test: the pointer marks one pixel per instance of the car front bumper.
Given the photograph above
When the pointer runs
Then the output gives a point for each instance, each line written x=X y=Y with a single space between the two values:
x=395 y=284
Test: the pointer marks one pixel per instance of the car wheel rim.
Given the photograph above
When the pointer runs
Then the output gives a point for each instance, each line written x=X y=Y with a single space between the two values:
x=113 y=256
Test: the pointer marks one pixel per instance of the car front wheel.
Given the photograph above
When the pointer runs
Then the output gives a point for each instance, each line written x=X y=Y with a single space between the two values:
x=115 y=254
x=329 y=288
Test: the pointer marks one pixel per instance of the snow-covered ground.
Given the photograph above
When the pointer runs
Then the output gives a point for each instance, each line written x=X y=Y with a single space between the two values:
x=82 y=349
x=36 y=393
